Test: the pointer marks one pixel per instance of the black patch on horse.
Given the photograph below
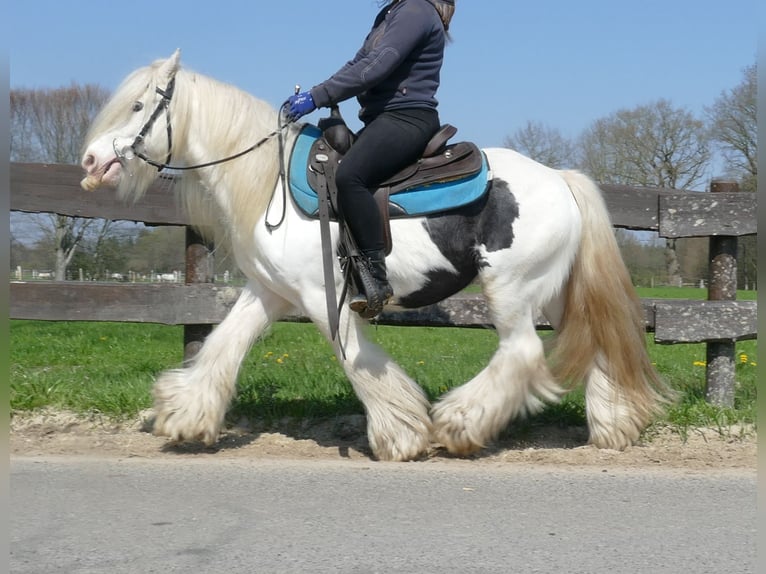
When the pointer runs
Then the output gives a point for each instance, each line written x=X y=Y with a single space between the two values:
x=487 y=221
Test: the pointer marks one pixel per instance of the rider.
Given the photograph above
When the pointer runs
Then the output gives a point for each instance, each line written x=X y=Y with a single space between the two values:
x=394 y=76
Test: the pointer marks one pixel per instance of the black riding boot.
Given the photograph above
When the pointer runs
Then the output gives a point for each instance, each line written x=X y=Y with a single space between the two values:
x=372 y=281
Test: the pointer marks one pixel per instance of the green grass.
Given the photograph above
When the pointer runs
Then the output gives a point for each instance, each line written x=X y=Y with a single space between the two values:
x=109 y=368
x=88 y=367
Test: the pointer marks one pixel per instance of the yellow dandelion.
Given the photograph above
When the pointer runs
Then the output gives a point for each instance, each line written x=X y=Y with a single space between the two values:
x=753 y=364
x=743 y=358
x=421 y=362
x=280 y=361
x=700 y=363
x=285 y=356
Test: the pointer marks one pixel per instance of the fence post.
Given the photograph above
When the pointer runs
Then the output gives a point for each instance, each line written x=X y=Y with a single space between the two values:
x=198 y=270
x=722 y=286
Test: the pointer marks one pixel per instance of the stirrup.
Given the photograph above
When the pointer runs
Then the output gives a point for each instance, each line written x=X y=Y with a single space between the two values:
x=373 y=292
x=361 y=305
x=359 y=302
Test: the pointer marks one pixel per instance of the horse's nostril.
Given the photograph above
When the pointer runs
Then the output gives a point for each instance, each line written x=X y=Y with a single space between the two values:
x=88 y=161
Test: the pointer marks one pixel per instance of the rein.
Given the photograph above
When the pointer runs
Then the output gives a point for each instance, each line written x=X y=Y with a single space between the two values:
x=164 y=105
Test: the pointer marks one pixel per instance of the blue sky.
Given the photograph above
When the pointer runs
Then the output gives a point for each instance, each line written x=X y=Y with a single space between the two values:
x=558 y=62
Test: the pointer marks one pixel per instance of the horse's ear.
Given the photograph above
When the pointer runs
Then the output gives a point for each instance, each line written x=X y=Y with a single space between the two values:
x=170 y=66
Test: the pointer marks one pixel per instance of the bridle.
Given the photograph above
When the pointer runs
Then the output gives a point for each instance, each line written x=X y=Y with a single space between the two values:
x=164 y=105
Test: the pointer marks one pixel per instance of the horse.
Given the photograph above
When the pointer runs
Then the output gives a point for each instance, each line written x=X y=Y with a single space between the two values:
x=541 y=242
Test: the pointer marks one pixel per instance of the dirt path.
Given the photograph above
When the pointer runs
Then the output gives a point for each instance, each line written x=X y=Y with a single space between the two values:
x=56 y=433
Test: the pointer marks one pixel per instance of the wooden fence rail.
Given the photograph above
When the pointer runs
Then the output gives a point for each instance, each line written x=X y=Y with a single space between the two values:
x=55 y=189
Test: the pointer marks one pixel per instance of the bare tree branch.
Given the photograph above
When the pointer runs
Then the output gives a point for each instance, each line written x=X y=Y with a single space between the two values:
x=543 y=144
x=49 y=125
x=654 y=145
x=734 y=128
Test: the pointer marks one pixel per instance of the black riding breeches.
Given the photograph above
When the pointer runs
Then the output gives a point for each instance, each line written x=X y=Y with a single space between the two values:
x=386 y=145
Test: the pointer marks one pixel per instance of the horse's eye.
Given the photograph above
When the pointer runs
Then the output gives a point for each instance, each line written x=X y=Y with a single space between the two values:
x=138 y=106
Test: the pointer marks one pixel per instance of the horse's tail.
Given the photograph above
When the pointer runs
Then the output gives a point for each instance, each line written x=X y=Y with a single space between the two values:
x=601 y=339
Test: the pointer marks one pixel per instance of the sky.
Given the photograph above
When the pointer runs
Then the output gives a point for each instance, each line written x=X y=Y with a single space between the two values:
x=561 y=63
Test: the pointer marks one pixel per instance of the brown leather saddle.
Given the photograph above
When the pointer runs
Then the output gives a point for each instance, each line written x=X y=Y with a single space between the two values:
x=441 y=162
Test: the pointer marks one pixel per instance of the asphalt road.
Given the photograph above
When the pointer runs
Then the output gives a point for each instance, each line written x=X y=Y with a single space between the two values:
x=210 y=515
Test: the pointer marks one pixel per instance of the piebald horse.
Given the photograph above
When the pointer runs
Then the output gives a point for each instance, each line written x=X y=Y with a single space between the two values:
x=541 y=241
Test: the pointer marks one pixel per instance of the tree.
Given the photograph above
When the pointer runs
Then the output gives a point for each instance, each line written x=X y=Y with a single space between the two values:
x=49 y=125
x=18 y=252
x=734 y=128
x=654 y=145
x=160 y=250
x=543 y=144
x=98 y=259
x=643 y=258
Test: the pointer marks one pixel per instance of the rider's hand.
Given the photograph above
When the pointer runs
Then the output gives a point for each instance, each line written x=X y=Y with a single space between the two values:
x=299 y=105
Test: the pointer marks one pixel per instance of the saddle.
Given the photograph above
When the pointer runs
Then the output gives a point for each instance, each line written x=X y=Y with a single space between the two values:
x=441 y=164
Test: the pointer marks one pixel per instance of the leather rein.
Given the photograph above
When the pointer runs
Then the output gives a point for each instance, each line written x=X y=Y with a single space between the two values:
x=164 y=105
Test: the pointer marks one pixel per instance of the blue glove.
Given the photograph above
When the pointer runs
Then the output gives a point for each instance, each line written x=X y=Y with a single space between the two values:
x=300 y=105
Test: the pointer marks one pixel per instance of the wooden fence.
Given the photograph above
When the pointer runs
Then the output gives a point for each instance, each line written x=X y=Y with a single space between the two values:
x=723 y=215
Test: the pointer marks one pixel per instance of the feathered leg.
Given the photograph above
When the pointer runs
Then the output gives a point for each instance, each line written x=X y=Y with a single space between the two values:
x=190 y=402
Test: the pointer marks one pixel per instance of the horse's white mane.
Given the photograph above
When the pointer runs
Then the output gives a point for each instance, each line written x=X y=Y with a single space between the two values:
x=226 y=120
x=211 y=120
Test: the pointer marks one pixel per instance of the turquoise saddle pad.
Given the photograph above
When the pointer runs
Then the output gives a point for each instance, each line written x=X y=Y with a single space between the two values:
x=423 y=200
